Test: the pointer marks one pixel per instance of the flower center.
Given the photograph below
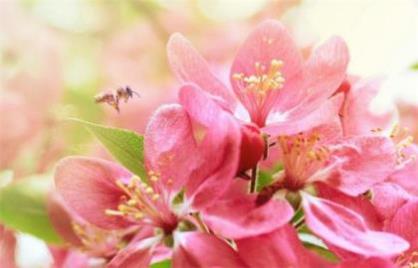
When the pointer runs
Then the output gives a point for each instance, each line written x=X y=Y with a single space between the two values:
x=265 y=79
x=409 y=260
x=98 y=242
x=302 y=157
x=258 y=91
x=402 y=140
x=143 y=203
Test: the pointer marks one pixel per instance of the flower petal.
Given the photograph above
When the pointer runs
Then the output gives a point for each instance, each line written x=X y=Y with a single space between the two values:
x=368 y=160
x=88 y=187
x=194 y=249
x=345 y=229
x=323 y=73
x=388 y=198
x=246 y=219
x=301 y=120
x=217 y=136
x=406 y=175
x=136 y=255
x=61 y=219
x=358 y=204
x=191 y=67
x=269 y=41
x=404 y=224
x=169 y=145
x=7 y=248
x=281 y=248
x=367 y=263
x=357 y=116
x=65 y=258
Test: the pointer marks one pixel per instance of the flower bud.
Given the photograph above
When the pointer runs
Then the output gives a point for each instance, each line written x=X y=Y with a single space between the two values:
x=252 y=147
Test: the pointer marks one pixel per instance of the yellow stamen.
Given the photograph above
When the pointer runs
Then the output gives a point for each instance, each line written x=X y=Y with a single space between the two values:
x=265 y=78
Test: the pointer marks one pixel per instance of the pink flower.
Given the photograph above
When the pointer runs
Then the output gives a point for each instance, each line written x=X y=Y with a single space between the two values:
x=272 y=86
x=65 y=258
x=195 y=149
x=406 y=173
x=80 y=235
x=399 y=211
x=283 y=248
x=351 y=165
x=357 y=117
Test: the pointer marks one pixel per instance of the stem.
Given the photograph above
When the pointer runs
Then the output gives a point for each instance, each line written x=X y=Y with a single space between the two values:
x=200 y=223
x=253 y=184
x=299 y=223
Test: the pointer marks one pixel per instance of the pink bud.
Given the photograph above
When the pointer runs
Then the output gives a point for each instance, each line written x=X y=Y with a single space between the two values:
x=252 y=146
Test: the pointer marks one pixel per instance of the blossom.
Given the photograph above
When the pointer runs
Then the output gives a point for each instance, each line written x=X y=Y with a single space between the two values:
x=351 y=165
x=357 y=116
x=110 y=197
x=273 y=87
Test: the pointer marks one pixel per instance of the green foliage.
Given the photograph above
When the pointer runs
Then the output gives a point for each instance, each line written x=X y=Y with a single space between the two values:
x=322 y=252
x=265 y=177
x=23 y=207
x=162 y=264
x=315 y=244
x=414 y=66
x=124 y=145
x=6 y=176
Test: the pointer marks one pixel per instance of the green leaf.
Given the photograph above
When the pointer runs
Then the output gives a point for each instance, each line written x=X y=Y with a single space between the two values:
x=23 y=207
x=162 y=264
x=322 y=252
x=125 y=146
x=265 y=177
x=314 y=243
x=414 y=66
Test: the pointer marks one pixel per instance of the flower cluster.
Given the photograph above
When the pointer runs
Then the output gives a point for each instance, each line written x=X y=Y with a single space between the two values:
x=286 y=167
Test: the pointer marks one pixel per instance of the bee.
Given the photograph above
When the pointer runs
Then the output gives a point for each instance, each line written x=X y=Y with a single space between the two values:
x=113 y=98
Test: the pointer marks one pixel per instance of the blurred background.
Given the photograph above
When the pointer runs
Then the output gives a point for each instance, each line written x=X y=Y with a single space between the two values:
x=55 y=56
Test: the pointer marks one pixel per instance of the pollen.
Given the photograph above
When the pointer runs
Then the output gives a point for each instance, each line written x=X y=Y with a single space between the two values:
x=302 y=157
x=138 y=201
x=265 y=78
x=402 y=139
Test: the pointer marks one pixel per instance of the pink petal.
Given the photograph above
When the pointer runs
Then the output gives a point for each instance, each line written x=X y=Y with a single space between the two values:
x=326 y=70
x=281 y=248
x=368 y=161
x=359 y=204
x=88 y=187
x=190 y=66
x=404 y=224
x=217 y=137
x=269 y=41
x=357 y=116
x=136 y=255
x=345 y=229
x=367 y=263
x=169 y=145
x=194 y=249
x=61 y=219
x=301 y=120
x=407 y=174
x=388 y=198
x=65 y=258
x=245 y=218
x=323 y=73
x=7 y=248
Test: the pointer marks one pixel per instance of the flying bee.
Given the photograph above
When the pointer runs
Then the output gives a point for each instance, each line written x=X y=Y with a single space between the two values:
x=113 y=98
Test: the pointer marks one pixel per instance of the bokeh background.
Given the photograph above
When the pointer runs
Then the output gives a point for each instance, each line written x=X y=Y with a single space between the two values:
x=55 y=56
